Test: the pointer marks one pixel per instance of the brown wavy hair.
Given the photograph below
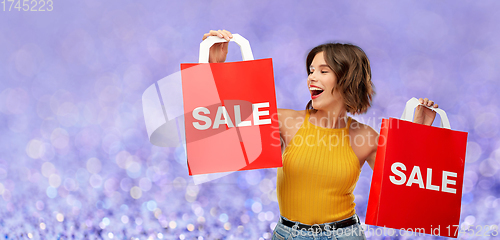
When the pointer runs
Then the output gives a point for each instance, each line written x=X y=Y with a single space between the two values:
x=352 y=69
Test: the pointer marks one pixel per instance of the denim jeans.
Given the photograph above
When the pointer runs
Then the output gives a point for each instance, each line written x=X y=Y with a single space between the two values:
x=353 y=232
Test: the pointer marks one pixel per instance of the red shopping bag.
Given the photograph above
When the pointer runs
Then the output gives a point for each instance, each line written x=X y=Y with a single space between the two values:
x=231 y=117
x=418 y=176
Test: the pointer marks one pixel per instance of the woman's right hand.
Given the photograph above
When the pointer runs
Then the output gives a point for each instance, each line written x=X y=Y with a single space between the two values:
x=218 y=51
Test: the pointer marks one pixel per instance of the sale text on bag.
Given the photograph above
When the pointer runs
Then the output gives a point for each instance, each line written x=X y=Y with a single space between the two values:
x=222 y=117
x=416 y=178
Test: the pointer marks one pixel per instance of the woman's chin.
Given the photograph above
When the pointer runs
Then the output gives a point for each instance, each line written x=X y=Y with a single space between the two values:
x=316 y=106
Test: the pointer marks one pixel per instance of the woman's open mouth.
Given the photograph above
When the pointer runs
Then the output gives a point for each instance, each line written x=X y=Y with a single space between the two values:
x=315 y=91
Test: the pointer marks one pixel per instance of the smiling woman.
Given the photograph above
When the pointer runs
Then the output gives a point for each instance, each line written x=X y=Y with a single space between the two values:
x=324 y=148
x=350 y=67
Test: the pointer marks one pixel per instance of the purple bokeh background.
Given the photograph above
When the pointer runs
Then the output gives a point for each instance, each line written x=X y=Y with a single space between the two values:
x=75 y=160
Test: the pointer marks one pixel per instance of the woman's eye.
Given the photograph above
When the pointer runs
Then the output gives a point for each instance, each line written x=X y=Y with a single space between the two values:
x=324 y=71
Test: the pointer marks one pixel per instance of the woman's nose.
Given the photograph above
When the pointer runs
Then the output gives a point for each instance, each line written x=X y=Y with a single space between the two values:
x=311 y=77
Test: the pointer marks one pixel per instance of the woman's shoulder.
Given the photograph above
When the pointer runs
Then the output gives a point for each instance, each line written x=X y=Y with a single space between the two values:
x=290 y=113
x=361 y=128
x=365 y=131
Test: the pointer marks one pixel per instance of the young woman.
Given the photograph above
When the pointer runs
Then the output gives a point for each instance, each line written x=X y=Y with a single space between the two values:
x=324 y=149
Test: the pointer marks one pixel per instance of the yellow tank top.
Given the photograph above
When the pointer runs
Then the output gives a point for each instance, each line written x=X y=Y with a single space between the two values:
x=319 y=173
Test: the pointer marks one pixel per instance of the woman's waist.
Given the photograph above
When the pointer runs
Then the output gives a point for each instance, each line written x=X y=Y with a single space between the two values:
x=317 y=212
x=337 y=222
x=308 y=194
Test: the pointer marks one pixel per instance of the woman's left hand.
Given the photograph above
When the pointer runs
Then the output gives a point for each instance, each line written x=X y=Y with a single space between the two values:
x=425 y=115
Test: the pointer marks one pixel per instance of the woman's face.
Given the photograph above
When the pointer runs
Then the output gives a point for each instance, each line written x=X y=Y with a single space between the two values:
x=321 y=81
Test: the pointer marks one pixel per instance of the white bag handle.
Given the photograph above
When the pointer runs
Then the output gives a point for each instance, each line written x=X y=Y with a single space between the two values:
x=246 y=51
x=413 y=103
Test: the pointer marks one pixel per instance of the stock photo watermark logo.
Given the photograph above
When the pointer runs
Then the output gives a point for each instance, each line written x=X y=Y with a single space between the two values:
x=317 y=138
x=327 y=230
x=223 y=122
x=384 y=231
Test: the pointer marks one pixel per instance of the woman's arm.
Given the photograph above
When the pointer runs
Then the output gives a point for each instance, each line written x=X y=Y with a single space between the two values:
x=218 y=54
x=371 y=158
x=423 y=115
x=289 y=123
x=284 y=116
x=218 y=51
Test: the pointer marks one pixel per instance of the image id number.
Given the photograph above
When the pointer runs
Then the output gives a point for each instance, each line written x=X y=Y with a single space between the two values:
x=28 y=5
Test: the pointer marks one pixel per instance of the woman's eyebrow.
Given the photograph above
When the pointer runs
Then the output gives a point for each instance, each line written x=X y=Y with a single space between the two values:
x=322 y=65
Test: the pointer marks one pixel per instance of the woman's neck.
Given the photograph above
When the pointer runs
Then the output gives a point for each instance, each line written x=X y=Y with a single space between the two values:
x=329 y=119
